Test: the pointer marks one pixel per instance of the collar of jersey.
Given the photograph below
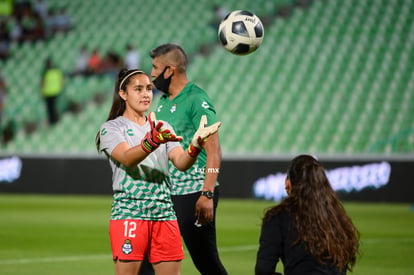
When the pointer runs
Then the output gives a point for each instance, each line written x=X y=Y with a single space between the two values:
x=184 y=91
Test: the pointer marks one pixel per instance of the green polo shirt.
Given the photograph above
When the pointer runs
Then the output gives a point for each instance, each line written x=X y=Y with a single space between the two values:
x=184 y=112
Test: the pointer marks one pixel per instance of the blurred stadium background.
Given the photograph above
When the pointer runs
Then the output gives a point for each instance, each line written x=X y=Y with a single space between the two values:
x=332 y=78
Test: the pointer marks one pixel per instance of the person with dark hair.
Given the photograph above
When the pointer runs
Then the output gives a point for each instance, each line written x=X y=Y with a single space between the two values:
x=143 y=221
x=195 y=193
x=110 y=64
x=309 y=230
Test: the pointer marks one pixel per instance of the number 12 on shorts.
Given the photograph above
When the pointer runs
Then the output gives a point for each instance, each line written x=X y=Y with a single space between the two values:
x=129 y=229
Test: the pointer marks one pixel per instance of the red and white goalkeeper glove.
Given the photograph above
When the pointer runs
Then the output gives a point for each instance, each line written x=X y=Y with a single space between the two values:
x=201 y=136
x=157 y=135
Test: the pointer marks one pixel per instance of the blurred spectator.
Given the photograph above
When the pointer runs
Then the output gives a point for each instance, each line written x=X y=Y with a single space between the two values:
x=15 y=30
x=4 y=41
x=51 y=87
x=3 y=93
x=220 y=13
x=40 y=7
x=60 y=21
x=132 y=58
x=81 y=63
x=111 y=64
x=94 y=62
x=32 y=25
x=7 y=127
x=6 y=8
x=29 y=20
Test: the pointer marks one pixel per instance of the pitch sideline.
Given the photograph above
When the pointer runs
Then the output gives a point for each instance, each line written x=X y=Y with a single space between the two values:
x=104 y=256
x=240 y=248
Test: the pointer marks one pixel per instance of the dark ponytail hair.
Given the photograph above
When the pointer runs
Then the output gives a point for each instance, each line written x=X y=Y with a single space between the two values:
x=118 y=104
x=322 y=222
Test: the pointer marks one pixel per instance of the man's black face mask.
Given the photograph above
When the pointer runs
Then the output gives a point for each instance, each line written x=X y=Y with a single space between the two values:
x=161 y=83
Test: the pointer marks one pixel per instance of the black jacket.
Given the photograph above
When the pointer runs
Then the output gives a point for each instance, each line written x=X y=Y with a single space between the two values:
x=276 y=242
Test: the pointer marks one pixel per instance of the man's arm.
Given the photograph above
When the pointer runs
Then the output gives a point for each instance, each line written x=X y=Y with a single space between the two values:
x=204 y=205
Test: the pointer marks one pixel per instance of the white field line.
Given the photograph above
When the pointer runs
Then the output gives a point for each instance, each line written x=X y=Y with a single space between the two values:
x=55 y=259
x=387 y=240
x=102 y=256
x=228 y=249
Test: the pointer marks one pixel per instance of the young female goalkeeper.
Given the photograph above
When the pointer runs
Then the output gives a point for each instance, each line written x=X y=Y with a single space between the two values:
x=309 y=230
x=138 y=149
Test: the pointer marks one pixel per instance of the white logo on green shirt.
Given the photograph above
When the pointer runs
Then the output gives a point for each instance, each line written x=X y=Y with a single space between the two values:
x=205 y=105
x=173 y=108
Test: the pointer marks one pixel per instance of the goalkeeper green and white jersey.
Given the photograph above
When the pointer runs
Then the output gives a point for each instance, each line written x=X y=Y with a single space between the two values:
x=142 y=192
x=184 y=113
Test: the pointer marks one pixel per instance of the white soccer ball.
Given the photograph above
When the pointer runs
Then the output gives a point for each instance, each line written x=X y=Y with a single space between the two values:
x=241 y=32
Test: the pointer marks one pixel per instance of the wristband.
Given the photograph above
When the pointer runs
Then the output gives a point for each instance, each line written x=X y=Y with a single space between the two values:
x=147 y=144
x=192 y=151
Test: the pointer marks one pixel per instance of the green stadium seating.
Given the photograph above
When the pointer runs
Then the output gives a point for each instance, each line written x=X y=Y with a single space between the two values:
x=335 y=78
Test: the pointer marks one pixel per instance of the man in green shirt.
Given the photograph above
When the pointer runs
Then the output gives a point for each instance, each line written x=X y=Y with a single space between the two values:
x=195 y=192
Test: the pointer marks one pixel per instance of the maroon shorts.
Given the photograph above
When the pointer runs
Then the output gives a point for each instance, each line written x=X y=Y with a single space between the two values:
x=133 y=239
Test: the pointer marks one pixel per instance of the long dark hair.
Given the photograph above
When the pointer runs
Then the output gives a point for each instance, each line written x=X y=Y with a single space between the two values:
x=118 y=104
x=321 y=220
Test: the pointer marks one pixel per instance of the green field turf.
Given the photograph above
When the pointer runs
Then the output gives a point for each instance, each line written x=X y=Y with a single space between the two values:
x=42 y=234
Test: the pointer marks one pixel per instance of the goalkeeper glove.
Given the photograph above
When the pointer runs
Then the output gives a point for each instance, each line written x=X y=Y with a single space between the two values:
x=200 y=137
x=157 y=135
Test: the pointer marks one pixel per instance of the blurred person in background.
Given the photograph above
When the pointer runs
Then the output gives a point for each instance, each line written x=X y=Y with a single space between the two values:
x=132 y=58
x=51 y=87
x=5 y=40
x=309 y=230
x=111 y=64
x=81 y=62
x=60 y=21
x=6 y=9
x=3 y=94
x=33 y=27
x=6 y=126
x=94 y=62
x=220 y=12
x=139 y=148
x=42 y=9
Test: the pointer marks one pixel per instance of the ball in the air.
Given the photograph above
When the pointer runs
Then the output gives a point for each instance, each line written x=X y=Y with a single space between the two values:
x=241 y=32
